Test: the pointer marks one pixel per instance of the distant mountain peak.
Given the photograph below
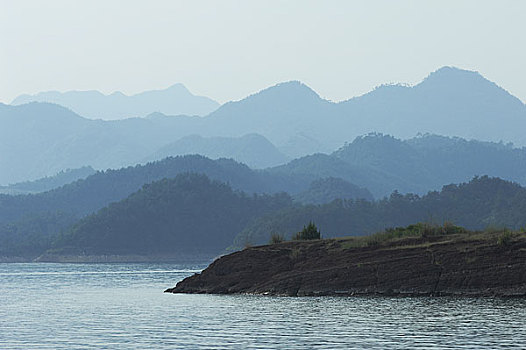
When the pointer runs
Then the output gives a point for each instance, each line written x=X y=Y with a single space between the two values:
x=457 y=78
x=179 y=86
x=293 y=90
x=452 y=73
x=156 y=115
x=292 y=84
x=293 y=87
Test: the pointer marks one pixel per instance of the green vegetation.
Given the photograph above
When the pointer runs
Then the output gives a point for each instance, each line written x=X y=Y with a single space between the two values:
x=475 y=205
x=418 y=230
x=276 y=238
x=189 y=213
x=86 y=196
x=425 y=230
x=309 y=232
x=193 y=212
x=423 y=233
x=33 y=234
x=505 y=238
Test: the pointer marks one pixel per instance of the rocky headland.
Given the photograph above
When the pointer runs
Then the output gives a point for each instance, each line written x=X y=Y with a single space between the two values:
x=467 y=264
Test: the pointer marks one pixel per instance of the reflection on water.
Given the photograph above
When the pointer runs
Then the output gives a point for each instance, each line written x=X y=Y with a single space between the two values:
x=121 y=306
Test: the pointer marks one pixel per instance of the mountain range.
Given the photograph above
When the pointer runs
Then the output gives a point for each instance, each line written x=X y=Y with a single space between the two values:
x=378 y=163
x=174 y=100
x=375 y=164
x=450 y=101
x=383 y=164
x=41 y=139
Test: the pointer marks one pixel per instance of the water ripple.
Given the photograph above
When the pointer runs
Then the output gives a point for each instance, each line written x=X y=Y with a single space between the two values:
x=121 y=306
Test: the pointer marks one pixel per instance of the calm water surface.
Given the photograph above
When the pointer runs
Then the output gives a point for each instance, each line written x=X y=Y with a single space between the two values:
x=122 y=306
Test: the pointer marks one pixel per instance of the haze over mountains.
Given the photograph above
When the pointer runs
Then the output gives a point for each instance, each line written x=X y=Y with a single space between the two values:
x=48 y=183
x=174 y=100
x=382 y=163
x=374 y=164
x=292 y=152
x=252 y=149
x=40 y=139
x=450 y=101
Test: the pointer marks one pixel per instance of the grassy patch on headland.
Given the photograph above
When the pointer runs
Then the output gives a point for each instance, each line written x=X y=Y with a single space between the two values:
x=423 y=233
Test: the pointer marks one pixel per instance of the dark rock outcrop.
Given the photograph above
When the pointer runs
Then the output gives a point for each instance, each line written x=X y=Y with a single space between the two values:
x=463 y=265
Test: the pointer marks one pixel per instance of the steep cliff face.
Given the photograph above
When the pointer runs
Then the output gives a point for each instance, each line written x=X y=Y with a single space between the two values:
x=463 y=265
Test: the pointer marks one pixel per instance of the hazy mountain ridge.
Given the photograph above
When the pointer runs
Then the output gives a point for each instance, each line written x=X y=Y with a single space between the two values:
x=36 y=140
x=173 y=100
x=450 y=101
x=85 y=196
x=282 y=113
x=41 y=139
x=382 y=163
x=318 y=166
x=48 y=183
x=252 y=149
x=430 y=161
x=49 y=138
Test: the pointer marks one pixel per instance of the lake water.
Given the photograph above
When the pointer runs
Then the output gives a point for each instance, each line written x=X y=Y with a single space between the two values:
x=122 y=306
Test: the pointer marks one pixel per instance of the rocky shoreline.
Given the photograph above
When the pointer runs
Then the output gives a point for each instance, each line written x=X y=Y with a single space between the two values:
x=111 y=258
x=452 y=265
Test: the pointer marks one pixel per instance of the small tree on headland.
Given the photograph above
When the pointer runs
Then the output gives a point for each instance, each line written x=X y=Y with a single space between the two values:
x=309 y=232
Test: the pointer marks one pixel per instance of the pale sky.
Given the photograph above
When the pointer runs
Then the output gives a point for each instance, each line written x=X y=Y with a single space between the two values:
x=229 y=49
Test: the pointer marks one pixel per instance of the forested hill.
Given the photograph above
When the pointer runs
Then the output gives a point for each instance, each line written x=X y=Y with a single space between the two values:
x=382 y=163
x=27 y=222
x=431 y=161
x=481 y=203
x=189 y=213
x=88 y=195
x=48 y=183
